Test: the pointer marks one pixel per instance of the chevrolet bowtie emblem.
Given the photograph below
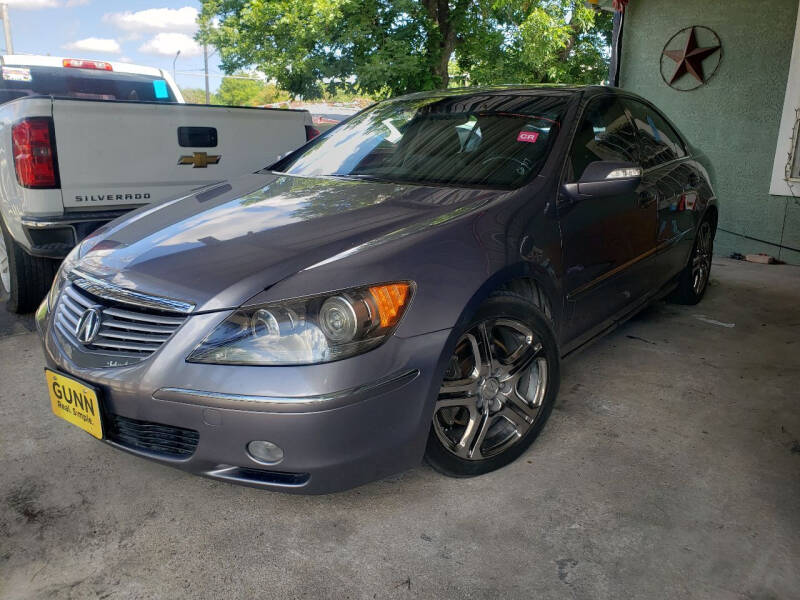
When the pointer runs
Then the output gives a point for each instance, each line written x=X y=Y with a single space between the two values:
x=199 y=160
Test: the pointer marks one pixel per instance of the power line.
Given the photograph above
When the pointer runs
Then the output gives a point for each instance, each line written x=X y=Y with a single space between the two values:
x=201 y=73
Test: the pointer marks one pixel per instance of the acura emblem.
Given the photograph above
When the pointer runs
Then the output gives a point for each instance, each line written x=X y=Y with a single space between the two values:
x=88 y=326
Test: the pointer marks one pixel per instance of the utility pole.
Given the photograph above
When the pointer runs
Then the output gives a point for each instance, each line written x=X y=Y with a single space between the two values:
x=6 y=27
x=174 y=60
x=205 y=63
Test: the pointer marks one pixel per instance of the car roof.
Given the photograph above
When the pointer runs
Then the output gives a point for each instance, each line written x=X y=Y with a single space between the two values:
x=34 y=60
x=515 y=90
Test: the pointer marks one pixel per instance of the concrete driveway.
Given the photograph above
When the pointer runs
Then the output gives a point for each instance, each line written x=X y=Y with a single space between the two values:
x=670 y=469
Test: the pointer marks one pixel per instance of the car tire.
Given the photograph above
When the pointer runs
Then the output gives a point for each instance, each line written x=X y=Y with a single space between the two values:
x=693 y=280
x=27 y=278
x=504 y=406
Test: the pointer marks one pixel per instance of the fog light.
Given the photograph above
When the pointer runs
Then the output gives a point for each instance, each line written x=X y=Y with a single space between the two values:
x=265 y=452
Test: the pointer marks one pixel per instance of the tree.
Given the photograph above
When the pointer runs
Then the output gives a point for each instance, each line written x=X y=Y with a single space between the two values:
x=385 y=47
x=239 y=91
x=244 y=90
x=194 y=95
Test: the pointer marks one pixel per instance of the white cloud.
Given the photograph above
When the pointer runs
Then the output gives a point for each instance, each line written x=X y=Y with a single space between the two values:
x=167 y=44
x=125 y=59
x=32 y=4
x=155 y=19
x=37 y=4
x=93 y=44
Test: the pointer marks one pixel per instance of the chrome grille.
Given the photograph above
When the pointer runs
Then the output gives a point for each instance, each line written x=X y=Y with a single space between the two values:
x=132 y=332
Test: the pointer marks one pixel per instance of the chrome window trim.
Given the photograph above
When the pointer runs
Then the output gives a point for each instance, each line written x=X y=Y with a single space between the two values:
x=115 y=293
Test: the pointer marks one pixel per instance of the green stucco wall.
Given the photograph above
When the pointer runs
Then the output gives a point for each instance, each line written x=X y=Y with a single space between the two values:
x=735 y=117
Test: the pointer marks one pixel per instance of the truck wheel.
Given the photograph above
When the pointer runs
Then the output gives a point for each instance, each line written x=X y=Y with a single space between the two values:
x=25 y=278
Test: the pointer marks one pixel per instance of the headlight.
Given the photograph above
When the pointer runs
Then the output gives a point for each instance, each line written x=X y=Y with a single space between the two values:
x=61 y=275
x=308 y=330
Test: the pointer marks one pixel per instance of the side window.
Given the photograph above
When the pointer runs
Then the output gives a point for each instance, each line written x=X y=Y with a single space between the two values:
x=659 y=141
x=604 y=134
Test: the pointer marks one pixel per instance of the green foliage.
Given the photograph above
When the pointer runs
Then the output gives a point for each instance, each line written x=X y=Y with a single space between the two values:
x=194 y=95
x=240 y=91
x=381 y=47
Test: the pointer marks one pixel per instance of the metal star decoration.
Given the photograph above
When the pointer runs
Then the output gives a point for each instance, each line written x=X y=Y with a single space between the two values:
x=690 y=59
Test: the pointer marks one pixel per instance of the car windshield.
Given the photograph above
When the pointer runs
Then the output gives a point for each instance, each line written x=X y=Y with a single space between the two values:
x=87 y=84
x=485 y=140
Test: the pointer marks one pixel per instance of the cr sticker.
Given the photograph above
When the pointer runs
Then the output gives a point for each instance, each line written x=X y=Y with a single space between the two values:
x=16 y=74
x=528 y=136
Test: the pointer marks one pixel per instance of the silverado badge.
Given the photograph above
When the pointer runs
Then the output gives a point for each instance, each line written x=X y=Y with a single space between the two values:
x=199 y=160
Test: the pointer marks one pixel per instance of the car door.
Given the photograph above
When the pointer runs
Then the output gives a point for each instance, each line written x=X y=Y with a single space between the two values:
x=603 y=237
x=672 y=182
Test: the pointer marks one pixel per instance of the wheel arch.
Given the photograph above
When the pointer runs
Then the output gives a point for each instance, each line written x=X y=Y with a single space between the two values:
x=532 y=282
x=712 y=213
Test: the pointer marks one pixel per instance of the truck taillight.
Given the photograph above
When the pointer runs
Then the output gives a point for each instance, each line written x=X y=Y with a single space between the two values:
x=33 y=147
x=77 y=63
x=311 y=132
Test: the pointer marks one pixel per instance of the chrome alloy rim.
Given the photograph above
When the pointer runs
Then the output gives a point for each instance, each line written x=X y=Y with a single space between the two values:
x=493 y=389
x=701 y=263
x=5 y=269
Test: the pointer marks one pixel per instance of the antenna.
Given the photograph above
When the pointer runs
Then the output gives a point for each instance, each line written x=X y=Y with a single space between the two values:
x=6 y=27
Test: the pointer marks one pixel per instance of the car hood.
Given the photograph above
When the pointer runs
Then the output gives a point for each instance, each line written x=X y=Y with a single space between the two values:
x=219 y=247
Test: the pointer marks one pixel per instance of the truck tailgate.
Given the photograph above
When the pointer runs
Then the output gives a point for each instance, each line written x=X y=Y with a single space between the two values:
x=124 y=154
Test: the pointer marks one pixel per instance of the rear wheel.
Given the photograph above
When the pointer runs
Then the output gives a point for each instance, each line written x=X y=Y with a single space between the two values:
x=693 y=281
x=5 y=269
x=498 y=389
x=25 y=278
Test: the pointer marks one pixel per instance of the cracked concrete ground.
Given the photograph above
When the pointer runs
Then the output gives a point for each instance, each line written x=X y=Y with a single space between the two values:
x=670 y=468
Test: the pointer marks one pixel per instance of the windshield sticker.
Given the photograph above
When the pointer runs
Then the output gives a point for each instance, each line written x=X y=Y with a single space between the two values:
x=528 y=136
x=16 y=74
x=160 y=88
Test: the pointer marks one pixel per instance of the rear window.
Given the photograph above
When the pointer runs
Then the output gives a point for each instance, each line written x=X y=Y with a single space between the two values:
x=490 y=140
x=86 y=84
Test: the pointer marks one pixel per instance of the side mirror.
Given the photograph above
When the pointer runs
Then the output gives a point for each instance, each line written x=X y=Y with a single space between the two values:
x=605 y=178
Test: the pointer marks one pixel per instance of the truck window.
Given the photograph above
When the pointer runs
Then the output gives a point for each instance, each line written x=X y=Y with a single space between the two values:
x=86 y=84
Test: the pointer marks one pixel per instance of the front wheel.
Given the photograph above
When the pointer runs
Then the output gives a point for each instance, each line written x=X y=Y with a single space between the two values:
x=498 y=390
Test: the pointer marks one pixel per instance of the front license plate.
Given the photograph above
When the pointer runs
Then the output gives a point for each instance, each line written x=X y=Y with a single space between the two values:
x=75 y=402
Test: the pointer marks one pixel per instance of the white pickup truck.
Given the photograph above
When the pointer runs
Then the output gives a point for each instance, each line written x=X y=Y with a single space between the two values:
x=82 y=142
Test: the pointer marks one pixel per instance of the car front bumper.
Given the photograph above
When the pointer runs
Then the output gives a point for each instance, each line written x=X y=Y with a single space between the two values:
x=339 y=424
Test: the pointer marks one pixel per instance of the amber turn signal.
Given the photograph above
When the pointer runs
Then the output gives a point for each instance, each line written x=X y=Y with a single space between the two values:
x=390 y=300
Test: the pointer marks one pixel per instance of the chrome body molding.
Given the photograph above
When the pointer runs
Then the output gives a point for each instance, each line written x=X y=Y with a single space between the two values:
x=115 y=293
x=286 y=404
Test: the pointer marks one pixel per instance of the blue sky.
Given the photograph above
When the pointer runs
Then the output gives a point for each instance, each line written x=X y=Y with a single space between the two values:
x=142 y=32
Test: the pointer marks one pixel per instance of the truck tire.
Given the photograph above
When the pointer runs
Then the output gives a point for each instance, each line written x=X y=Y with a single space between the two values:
x=26 y=279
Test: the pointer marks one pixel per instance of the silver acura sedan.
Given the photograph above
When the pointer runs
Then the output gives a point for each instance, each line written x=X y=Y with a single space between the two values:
x=405 y=285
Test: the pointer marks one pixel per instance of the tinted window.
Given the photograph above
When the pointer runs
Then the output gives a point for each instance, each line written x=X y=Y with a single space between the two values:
x=605 y=133
x=659 y=142
x=489 y=140
x=17 y=82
